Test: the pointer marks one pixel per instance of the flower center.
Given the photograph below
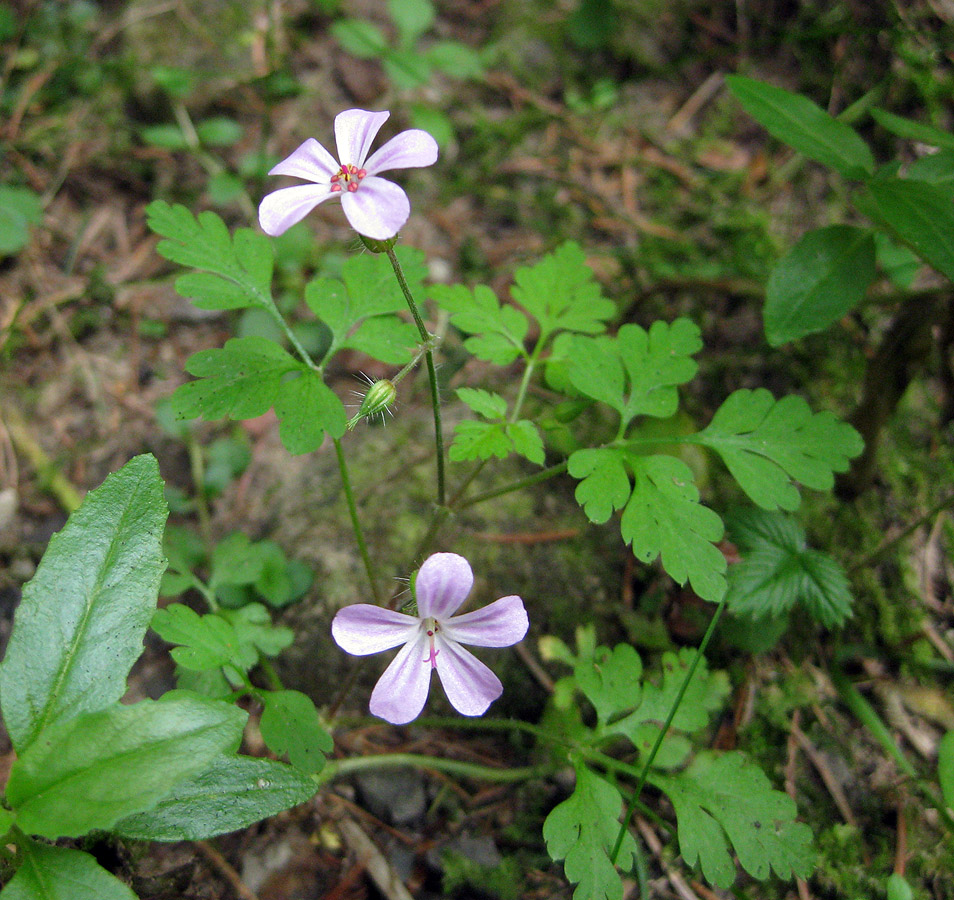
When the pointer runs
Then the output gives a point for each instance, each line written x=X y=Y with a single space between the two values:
x=347 y=178
x=432 y=628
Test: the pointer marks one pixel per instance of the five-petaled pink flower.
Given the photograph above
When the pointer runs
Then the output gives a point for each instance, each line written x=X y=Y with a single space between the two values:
x=432 y=640
x=375 y=207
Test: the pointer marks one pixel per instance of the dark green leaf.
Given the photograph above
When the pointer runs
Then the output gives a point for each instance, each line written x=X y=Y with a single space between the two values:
x=408 y=69
x=769 y=445
x=913 y=131
x=91 y=770
x=897 y=262
x=235 y=792
x=290 y=724
x=945 y=767
x=307 y=408
x=80 y=624
x=59 y=873
x=820 y=279
x=921 y=215
x=804 y=126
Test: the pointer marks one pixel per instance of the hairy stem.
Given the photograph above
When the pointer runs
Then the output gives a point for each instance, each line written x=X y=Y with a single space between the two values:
x=431 y=372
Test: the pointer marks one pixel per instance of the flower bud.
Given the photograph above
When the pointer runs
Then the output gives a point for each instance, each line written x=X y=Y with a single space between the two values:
x=378 y=246
x=376 y=401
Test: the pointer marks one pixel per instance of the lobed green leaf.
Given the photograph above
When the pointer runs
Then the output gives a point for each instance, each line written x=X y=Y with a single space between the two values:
x=582 y=831
x=768 y=445
x=561 y=293
x=80 y=624
x=778 y=570
x=498 y=331
x=636 y=373
x=726 y=801
x=238 y=270
x=290 y=724
x=206 y=642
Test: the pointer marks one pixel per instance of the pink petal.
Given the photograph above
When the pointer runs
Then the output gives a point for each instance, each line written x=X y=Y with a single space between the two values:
x=354 y=131
x=377 y=209
x=502 y=623
x=470 y=686
x=361 y=629
x=407 y=150
x=443 y=583
x=310 y=161
x=283 y=208
x=399 y=695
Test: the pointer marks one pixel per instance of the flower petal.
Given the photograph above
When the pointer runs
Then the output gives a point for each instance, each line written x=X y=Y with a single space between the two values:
x=399 y=695
x=502 y=623
x=310 y=161
x=470 y=686
x=443 y=583
x=407 y=150
x=361 y=629
x=354 y=131
x=377 y=209
x=283 y=208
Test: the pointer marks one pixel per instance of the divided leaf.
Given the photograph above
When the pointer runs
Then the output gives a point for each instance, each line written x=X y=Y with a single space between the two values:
x=91 y=770
x=778 y=570
x=582 y=831
x=725 y=802
x=662 y=515
x=359 y=308
x=818 y=281
x=290 y=724
x=636 y=373
x=236 y=272
x=206 y=642
x=498 y=331
x=768 y=445
x=60 y=873
x=80 y=624
x=704 y=697
x=499 y=438
x=804 y=126
x=233 y=793
x=248 y=376
x=561 y=293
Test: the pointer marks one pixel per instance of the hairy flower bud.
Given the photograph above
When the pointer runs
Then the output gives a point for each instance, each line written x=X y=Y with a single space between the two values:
x=376 y=401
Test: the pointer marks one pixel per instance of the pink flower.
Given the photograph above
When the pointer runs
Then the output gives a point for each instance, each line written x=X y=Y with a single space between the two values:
x=374 y=207
x=432 y=640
